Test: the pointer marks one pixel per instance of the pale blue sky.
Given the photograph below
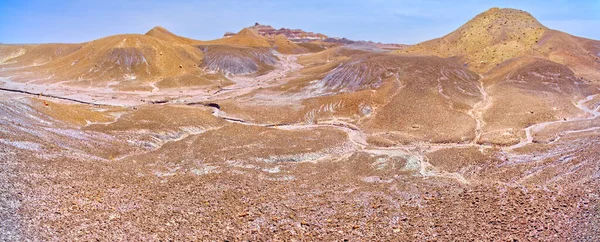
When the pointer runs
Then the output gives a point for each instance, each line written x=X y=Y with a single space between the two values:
x=391 y=21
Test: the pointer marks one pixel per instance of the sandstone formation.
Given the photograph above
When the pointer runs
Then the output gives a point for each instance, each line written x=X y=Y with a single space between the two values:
x=295 y=35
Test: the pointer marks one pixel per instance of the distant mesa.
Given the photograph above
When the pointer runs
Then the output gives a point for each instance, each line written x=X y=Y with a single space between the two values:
x=295 y=35
x=284 y=40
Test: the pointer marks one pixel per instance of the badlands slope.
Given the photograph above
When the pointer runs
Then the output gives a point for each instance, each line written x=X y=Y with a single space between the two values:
x=521 y=62
x=489 y=133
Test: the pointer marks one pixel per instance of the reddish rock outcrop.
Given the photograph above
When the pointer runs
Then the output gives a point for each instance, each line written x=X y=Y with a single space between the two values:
x=295 y=35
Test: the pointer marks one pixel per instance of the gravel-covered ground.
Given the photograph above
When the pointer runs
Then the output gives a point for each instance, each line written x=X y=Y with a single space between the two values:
x=183 y=174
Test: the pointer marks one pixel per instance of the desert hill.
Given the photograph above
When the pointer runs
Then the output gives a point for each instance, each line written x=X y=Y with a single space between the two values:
x=283 y=45
x=579 y=54
x=249 y=37
x=243 y=53
x=246 y=37
x=166 y=35
x=133 y=61
x=498 y=35
x=490 y=38
x=529 y=90
x=295 y=35
x=16 y=56
x=129 y=61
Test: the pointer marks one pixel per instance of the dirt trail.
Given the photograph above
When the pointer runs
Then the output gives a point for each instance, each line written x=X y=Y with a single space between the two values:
x=529 y=131
x=477 y=112
x=154 y=87
x=414 y=154
x=48 y=95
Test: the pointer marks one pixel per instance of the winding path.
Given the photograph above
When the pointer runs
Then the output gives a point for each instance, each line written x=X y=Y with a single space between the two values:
x=592 y=114
x=357 y=137
x=477 y=112
x=48 y=95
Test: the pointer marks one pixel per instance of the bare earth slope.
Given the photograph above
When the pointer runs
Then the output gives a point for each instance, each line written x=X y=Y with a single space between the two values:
x=531 y=74
x=127 y=62
x=488 y=39
x=15 y=56
x=498 y=35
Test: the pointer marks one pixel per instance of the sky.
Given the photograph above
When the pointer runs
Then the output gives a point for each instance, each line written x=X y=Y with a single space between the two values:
x=387 y=21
